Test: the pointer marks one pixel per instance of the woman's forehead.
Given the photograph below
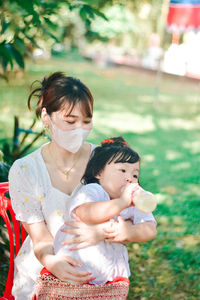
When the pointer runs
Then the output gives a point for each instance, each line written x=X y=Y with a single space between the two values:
x=69 y=109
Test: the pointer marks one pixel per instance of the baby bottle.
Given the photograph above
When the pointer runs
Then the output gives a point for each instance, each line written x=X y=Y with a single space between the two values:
x=144 y=201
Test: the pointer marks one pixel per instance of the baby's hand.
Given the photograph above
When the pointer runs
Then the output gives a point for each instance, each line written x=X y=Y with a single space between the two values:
x=127 y=193
x=111 y=226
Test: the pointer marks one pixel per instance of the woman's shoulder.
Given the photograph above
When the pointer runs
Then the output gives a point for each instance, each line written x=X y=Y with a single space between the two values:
x=28 y=162
x=89 y=147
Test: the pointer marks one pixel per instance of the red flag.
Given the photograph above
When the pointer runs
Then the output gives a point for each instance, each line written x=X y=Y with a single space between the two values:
x=183 y=15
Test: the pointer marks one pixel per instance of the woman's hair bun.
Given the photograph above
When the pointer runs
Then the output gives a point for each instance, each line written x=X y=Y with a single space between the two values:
x=44 y=84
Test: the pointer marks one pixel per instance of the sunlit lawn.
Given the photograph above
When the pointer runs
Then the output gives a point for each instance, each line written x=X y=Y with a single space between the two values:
x=164 y=128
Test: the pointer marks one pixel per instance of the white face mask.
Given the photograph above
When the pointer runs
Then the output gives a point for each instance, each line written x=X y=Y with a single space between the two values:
x=71 y=140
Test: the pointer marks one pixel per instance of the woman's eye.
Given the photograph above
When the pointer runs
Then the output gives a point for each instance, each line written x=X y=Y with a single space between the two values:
x=135 y=176
x=123 y=170
x=70 y=122
x=87 y=121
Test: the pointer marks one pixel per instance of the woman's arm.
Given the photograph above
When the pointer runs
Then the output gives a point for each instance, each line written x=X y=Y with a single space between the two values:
x=85 y=235
x=22 y=185
x=63 y=267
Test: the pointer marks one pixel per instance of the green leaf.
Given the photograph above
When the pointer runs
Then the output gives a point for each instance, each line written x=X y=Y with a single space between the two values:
x=6 y=53
x=50 y=34
x=31 y=40
x=100 y=14
x=4 y=25
x=18 y=57
x=19 y=45
x=51 y=6
x=36 y=18
x=89 y=11
x=93 y=35
x=28 y=6
x=4 y=62
x=83 y=14
x=52 y=25
x=87 y=23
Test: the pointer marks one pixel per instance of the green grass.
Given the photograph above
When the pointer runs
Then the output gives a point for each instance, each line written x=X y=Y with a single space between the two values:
x=164 y=128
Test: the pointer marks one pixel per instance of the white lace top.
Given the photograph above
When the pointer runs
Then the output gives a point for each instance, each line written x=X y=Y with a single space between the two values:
x=34 y=199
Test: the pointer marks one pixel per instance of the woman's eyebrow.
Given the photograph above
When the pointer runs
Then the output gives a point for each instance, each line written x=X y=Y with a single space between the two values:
x=76 y=116
x=70 y=116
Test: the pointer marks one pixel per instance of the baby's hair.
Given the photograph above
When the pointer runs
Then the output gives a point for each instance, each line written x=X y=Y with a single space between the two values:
x=58 y=89
x=111 y=150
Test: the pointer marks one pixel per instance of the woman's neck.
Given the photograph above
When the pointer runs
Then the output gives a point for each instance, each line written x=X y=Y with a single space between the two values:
x=65 y=169
x=61 y=156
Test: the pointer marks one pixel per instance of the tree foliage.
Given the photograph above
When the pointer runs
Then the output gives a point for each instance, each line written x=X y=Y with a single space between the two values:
x=29 y=24
x=23 y=23
x=132 y=22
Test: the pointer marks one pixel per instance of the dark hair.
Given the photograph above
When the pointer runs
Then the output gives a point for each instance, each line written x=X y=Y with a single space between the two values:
x=58 y=89
x=113 y=149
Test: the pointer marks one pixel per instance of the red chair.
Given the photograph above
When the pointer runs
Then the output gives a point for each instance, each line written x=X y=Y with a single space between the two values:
x=16 y=233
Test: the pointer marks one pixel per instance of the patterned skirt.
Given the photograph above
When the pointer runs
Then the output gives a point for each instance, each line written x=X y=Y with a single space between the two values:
x=50 y=288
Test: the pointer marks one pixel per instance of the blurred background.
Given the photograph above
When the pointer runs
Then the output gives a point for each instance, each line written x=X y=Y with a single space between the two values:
x=140 y=58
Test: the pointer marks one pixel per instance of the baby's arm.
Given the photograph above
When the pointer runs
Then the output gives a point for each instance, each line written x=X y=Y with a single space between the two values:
x=99 y=212
x=102 y=211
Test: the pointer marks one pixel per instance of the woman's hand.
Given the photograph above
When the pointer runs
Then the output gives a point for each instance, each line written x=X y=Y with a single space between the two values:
x=63 y=267
x=84 y=234
x=119 y=231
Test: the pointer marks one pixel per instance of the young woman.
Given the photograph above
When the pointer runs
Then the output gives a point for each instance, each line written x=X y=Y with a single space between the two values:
x=42 y=183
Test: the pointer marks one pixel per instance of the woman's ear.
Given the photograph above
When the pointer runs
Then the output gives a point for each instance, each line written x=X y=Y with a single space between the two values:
x=44 y=117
